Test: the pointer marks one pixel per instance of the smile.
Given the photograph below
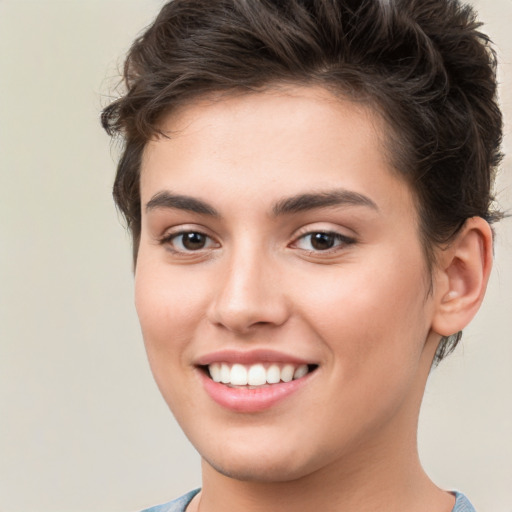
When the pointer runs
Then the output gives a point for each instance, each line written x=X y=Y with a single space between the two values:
x=256 y=375
x=250 y=384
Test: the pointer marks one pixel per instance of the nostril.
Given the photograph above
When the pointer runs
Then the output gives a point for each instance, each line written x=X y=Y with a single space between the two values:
x=246 y=299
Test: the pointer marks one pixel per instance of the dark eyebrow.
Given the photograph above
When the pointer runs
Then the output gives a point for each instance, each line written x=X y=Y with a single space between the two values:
x=166 y=199
x=303 y=202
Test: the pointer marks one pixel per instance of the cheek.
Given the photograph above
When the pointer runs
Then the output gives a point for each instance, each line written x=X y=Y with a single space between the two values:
x=374 y=328
x=168 y=312
x=372 y=316
x=168 y=306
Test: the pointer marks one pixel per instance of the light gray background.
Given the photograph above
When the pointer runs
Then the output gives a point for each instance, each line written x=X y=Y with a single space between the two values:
x=82 y=426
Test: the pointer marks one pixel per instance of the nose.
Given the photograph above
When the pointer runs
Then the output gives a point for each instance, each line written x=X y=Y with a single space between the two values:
x=248 y=294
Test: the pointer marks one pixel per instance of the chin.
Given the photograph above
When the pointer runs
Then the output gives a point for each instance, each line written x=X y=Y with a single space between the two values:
x=259 y=471
x=263 y=462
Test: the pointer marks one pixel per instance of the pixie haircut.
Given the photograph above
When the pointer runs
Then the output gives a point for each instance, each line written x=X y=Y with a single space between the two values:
x=422 y=65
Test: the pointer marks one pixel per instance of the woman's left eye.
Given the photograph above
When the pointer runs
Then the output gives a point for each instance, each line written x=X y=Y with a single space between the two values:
x=322 y=241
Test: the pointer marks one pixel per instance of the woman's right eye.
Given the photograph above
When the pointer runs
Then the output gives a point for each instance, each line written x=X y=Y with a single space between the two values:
x=188 y=241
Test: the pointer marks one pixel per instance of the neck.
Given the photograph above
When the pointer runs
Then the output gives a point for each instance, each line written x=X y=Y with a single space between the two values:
x=373 y=482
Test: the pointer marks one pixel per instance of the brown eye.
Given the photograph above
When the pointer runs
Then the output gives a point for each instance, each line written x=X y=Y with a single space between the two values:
x=322 y=241
x=318 y=241
x=188 y=241
x=193 y=241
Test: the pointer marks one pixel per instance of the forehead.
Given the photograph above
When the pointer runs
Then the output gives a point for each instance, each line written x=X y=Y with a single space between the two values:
x=281 y=141
x=307 y=111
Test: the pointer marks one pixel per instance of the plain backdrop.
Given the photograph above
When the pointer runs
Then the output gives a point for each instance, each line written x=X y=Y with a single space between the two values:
x=82 y=425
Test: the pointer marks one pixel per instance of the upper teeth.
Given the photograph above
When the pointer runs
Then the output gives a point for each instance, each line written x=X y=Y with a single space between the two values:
x=255 y=374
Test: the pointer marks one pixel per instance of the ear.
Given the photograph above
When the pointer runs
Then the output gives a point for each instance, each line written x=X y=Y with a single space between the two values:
x=462 y=275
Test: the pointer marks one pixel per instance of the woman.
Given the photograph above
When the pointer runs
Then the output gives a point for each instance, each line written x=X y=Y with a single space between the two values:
x=308 y=186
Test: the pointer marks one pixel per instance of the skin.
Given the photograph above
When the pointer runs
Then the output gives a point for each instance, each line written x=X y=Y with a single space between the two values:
x=361 y=311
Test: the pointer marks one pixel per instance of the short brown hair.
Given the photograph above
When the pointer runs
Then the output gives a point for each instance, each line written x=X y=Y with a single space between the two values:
x=422 y=64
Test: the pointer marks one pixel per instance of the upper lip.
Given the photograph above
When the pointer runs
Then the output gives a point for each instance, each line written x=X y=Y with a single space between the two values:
x=250 y=357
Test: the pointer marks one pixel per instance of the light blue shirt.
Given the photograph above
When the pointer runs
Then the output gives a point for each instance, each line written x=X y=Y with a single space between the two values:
x=462 y=504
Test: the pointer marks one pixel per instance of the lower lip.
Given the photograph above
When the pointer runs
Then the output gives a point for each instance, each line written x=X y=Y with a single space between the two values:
x=251 y=400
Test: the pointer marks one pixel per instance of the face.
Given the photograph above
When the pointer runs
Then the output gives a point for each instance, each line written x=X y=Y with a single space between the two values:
x=281 y=285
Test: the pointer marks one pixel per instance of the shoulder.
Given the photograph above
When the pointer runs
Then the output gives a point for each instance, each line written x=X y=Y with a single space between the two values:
x=462 y=504
x=177 y=505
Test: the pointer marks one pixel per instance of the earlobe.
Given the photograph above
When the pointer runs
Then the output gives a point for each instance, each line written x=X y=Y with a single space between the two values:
x=463 y=272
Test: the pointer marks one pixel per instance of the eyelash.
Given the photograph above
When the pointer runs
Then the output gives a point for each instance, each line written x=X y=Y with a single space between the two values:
x=338 y=241
x=169 y=238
